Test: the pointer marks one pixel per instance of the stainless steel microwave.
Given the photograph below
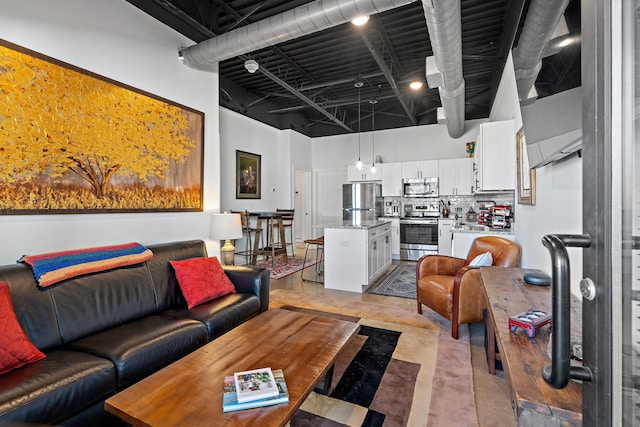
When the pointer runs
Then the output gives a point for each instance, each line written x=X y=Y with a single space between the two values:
x=420 y=187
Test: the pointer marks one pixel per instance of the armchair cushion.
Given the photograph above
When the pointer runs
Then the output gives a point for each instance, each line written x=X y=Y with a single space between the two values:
x=482 y=260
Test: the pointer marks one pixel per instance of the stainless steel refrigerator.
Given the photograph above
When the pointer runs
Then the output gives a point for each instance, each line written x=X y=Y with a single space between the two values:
x=362 y=201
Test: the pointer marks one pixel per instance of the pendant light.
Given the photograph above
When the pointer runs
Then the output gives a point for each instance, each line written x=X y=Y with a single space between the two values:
x=373 y=103
x=358 y=84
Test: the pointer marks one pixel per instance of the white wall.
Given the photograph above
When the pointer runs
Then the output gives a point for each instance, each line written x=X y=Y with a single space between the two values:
x=238 y=132
x=558 y=208
x=116 y=40
x=393 y=145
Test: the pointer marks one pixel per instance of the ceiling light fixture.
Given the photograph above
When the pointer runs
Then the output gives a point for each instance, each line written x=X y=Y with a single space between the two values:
x=251 y=65
x=566 y=42
x=416 y=84
x=358 y=84
x=373 y=103
x=360 y=20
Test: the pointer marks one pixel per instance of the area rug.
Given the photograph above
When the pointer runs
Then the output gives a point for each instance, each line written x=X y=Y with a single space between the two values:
x=402 y=369
x=281 y=269
x=401 y=282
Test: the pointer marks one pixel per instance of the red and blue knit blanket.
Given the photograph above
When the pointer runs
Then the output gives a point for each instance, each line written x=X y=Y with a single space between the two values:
x=55 y=267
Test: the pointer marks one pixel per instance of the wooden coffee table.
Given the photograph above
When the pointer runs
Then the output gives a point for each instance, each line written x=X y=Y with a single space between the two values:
x=189 y=391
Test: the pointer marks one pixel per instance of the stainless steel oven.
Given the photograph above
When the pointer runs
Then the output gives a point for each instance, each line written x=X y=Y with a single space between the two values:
x=418 y=237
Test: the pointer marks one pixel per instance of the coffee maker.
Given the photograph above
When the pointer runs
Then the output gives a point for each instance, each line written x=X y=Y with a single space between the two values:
x=392 y=207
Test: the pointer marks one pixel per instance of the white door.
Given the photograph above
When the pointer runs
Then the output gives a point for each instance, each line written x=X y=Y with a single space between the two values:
x=302 y=205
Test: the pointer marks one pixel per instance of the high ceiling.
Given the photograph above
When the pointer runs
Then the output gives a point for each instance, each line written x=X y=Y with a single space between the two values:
x=306 y=83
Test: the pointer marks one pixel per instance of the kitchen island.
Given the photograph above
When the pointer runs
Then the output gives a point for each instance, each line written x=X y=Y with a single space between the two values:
x=356 y=253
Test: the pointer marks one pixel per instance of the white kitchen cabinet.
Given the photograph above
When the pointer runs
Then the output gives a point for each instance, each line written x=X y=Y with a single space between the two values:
x=379 y=256
x=420 y=169
x=395 y=238
x=456 y=177
x=495 y=156
x=353 y=174
x=445 y=236
x=391 y=174
x=462 y=241
x=355 y=257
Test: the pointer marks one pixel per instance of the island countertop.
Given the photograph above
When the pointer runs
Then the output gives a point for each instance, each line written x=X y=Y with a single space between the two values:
x=363 y=225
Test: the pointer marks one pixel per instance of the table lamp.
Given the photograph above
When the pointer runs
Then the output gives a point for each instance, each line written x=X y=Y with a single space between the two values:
x=226 y=227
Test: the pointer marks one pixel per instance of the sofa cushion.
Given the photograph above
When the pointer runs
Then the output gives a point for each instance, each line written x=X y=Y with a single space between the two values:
x=166 y=286
x=201 y=280
x=55 y=388
x=222 y=314
x=141 y=347
x=33 y=306
x=15 y=348
x=96 y=302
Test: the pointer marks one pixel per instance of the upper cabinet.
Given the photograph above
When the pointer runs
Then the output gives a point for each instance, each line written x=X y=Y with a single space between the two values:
x=391 y=174
x=495 y=156
x=456 y=177
x=353 y=174
x=422 y=169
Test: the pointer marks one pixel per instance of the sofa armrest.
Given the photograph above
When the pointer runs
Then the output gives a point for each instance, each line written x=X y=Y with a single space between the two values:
x=251 y=280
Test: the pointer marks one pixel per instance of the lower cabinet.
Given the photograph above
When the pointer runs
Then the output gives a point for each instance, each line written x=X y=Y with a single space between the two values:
x=379 y=251
x=355 y=257
x=445 y=236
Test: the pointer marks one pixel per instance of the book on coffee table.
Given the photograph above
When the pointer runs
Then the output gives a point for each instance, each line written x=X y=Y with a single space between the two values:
x=230 y=400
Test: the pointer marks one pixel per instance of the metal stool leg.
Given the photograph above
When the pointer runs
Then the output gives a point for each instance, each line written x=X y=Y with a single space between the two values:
x=319 y=243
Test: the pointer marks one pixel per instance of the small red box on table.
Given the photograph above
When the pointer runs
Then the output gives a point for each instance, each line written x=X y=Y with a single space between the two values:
x=530 y=320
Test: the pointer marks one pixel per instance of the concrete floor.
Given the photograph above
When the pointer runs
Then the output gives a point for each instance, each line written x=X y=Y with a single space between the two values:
x=492 y=394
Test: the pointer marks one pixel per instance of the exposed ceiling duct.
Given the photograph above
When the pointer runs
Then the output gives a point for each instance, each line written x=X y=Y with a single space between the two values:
x=445 y=32
x=542 y=19
x=300 y=21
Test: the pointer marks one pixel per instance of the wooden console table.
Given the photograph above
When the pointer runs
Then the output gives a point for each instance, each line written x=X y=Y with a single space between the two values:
x=534 y=402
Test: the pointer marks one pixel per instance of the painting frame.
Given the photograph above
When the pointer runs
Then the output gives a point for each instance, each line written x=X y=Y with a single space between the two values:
x=248 y=175
x=114 y=148
x=526 y=175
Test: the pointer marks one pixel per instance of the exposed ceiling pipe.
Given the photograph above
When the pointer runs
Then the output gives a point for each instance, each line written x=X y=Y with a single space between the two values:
x=302 y=20
x=542 y=19
x=445 y=32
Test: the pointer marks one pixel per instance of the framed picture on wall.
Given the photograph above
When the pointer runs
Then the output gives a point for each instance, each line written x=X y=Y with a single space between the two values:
x=77 y=142
x=526 y=175
x=248 y=179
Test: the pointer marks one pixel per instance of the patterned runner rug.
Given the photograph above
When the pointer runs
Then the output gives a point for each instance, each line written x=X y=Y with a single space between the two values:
x=402 y=369
x=282 y=269
x=401 y=282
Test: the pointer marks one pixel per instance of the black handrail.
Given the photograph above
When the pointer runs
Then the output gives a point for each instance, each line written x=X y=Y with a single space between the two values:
x=560 y=371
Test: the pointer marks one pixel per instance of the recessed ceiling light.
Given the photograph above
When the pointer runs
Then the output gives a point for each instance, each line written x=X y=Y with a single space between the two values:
x=360 y=20
x=416 y=84
x=566 y=42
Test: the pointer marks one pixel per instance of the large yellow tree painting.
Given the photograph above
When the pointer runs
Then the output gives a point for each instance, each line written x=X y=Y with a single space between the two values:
x=70 y=140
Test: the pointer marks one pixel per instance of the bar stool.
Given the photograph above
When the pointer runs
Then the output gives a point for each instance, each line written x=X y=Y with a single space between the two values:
x=248 y=231
x=287 y=223
x=269 y=221
x=319 y=244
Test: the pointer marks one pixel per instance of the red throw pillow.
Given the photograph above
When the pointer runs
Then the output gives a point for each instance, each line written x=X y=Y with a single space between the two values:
x=15 y=348
x=202 y=279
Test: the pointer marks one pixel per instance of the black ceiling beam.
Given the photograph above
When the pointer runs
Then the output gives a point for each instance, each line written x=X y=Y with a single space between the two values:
x=165 y=12
x=510 y=25
x=244 y=20
x=388 y=65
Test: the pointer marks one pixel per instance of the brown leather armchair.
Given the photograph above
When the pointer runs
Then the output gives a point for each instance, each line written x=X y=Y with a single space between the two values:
x=452 y=288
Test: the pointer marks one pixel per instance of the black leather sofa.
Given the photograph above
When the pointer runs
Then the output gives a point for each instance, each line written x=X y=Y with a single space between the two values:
x=103 y=332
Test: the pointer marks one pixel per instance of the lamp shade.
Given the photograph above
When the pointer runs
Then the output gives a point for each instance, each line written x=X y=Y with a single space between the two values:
x=225 y=226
